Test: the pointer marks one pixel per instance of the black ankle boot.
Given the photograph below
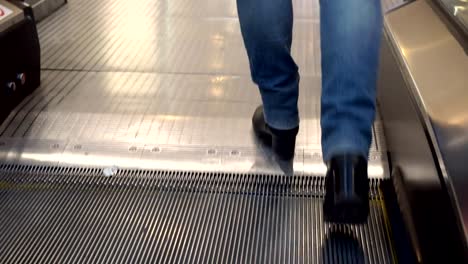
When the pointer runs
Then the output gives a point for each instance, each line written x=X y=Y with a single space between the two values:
x=282 y=142
x=347 y=190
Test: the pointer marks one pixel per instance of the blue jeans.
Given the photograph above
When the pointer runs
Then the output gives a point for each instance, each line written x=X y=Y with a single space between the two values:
x=350 y=41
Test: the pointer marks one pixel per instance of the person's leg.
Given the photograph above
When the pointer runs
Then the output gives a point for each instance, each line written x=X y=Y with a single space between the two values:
x=266 y=27
x=350 y=42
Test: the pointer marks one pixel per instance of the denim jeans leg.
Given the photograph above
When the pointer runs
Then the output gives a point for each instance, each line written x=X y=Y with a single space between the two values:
x=266 y=27
x=350 y=42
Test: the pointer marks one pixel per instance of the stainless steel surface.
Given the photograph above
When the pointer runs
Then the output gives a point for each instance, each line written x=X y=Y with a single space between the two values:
x=109 y=113
x=437 y=65
x=389 y=5
x=78 y=215
x=172 y=75
x=415 y=173
x=458 y=10
x=9 y=15
x=44 y=8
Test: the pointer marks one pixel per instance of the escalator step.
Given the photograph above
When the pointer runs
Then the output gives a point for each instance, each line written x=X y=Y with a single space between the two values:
x=80 y=215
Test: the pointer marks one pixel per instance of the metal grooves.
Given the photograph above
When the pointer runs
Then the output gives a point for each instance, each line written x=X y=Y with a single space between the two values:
x=119 y=75
x=77 y=215
x=149 y=107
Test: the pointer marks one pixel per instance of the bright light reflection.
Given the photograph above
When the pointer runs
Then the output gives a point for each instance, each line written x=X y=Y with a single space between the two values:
x=217 y=91
x=458 y=9
x=180 y=164
x=218 y=79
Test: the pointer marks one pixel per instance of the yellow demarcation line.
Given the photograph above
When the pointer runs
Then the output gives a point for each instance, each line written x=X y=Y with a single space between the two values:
x=5 y=185
x=388 y=228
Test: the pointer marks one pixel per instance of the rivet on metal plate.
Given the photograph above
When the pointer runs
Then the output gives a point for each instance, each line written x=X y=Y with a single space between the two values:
x=132 y=149
x=77 y=147
x=211 y=151
x=156 y=149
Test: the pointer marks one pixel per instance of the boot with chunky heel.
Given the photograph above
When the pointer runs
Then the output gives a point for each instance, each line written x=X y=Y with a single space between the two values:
x=347 y=190
x=283 y=142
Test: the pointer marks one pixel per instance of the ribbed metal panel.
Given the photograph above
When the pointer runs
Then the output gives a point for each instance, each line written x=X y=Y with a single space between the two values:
x=120 y=78
x=79 y=215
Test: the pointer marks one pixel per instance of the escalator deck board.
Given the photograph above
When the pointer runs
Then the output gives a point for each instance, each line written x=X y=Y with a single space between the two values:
x=80 y=215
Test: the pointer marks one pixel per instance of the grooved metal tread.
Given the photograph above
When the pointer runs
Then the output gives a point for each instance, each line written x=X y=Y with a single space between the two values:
x=120 y=78
x=79 y=215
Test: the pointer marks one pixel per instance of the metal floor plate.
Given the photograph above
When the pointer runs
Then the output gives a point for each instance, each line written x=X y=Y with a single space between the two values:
x=122 y=79
x=73 y=215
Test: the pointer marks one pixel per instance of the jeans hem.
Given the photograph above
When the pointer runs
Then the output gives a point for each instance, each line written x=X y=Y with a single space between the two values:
x=344 y=148
x=281 y=125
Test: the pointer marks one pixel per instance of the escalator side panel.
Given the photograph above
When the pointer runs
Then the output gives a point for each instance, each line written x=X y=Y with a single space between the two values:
x=19 y=63
x=423 y=198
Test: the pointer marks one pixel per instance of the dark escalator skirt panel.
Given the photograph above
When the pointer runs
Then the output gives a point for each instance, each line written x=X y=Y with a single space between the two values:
x=19 y=64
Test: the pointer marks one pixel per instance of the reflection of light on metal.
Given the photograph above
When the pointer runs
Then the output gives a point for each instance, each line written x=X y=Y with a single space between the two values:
x=218 y=37
x=426 y=46
x=135 y=26
x=218 y=79
x=217 y=65
x=121 y=162
x=375 y=171
x=217 y=91
x=170 y=117
x=458 y=141
x=315 y=169
x=403 y=51
x=217 y=40
x=458 y=120
x=457 y=9
x=214 y=163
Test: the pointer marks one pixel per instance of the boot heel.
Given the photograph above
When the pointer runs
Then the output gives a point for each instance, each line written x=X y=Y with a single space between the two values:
x=282 y=142
x=284 y=147
x=347 y=190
